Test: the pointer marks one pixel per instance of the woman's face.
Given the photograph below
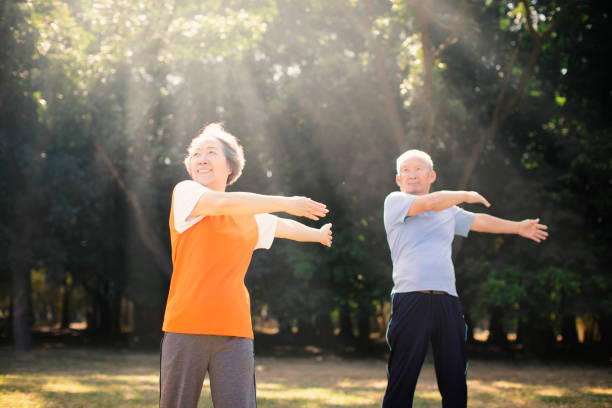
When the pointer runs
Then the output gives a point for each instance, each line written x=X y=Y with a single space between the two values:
x=208 y=165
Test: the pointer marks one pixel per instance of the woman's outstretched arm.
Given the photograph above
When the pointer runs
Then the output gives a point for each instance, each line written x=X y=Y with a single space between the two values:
x=239 y=203
x=296 y=231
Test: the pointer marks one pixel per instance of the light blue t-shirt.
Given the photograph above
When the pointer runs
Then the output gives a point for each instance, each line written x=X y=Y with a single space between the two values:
x=421 y=244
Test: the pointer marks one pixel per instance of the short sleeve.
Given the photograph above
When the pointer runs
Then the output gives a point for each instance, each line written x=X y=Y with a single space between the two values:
x=266 y=223
x=463 y=221
x=397 y=205
x=185 y=197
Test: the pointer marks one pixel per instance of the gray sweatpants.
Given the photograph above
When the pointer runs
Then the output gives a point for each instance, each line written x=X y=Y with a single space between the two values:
x=185 y=360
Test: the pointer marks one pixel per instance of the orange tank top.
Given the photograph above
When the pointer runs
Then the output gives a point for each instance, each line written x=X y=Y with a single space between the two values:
x=207 y=291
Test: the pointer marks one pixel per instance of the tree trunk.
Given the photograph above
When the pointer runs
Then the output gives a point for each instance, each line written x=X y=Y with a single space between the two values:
x=104 y=316
x=504 y=105
x=151 y=241
x=115 y=314
x=346 y=326
x=22 y=338
x=428 y=67
x=324 y=328
x=536 y=336
x=66 y=305
x=605 y=330
x=568 y=330
x=93 y=316
x=390 y=99
x=497 y=333
x=470 y=328
x=306 y=329
x=148 y=320
x=364 y=327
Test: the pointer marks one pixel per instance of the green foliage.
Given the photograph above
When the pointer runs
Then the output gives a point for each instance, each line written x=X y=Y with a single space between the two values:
x=303 y=86
x=504 y=289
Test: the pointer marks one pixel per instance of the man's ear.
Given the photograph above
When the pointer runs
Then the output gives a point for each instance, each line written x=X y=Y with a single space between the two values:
x=432 y=176
x=397 y=180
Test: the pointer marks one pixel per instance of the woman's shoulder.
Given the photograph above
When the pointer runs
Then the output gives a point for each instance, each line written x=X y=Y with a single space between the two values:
x=188 y=185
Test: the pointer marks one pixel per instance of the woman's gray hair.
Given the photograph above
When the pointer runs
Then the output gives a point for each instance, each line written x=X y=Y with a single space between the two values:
x=234 y=153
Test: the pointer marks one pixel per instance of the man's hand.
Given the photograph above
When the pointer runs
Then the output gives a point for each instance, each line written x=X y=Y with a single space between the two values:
x=532 y=229
x=326 y=235
x=305 y=207
x=473 y=197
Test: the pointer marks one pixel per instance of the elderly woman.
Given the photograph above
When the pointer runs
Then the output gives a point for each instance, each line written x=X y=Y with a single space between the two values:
x=207 y=323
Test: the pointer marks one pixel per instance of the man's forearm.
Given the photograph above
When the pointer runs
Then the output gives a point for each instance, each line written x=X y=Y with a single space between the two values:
x=438 y=201
x=441 y=200
x=489 y=223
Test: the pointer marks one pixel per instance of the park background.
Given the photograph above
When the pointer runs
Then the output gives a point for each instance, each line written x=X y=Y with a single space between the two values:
x=99 y=99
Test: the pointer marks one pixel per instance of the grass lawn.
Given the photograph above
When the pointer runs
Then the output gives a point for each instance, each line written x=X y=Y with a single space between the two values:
x=106 y=378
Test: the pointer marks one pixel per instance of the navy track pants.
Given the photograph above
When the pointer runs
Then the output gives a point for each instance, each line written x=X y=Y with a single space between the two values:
x=417 y=319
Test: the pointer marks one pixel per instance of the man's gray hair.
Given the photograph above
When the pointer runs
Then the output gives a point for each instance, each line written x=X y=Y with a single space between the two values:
x=413 y=153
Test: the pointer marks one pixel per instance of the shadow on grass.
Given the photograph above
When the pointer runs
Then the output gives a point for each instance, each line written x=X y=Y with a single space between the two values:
x=85 y=390
x=103 y=378
x=585 y=399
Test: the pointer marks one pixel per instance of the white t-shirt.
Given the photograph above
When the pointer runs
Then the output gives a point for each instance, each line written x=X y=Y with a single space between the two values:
x=421 y=244
x=186 y=195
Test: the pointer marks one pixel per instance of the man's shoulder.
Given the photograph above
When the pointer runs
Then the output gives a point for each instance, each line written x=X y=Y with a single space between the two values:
x=393 y=194
x=398 y=196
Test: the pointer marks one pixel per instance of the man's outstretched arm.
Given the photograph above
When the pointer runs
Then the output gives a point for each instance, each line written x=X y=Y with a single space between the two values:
x=531 y=229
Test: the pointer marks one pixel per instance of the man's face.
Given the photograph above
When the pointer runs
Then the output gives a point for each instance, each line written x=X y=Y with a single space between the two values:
x=208 y=165
x=415 y=176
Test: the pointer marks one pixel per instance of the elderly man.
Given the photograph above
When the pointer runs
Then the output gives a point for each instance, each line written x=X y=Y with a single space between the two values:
x=420 y=228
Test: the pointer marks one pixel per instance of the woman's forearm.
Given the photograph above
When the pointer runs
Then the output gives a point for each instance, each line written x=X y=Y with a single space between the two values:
x=290 y=229
x=238 y=203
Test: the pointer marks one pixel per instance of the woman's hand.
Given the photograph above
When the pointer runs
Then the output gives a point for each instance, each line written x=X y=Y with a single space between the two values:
x=326 y=235
x=305 y=207
x=532 y=229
